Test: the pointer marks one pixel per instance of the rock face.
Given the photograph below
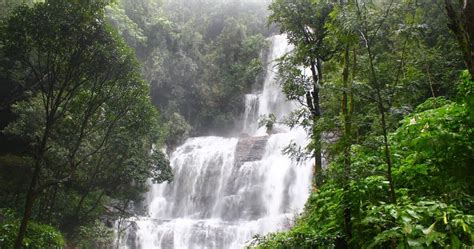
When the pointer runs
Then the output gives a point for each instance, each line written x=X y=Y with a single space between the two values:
x=250 y=149
x=130 y=237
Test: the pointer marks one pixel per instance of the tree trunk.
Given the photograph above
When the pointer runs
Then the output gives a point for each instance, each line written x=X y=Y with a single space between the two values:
x=30 y=200
x=32 y=190
x=461 y=22
x=383 y=123
x=387 y=152
x=52 y=203
x=315 y=109
x=346 y=110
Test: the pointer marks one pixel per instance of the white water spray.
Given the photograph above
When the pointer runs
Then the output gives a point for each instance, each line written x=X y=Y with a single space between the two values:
x=226 y=190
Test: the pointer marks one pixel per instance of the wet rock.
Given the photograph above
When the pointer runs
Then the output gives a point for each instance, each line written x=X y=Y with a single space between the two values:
x=130 y=237
x=276 y=130
x=250 y=149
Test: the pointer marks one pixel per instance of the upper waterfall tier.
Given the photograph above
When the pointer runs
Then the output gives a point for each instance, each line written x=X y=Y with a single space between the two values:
x=270 y=100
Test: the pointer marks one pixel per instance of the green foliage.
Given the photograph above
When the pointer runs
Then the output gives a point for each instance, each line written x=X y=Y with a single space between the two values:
x=125 y=26
x=200 y=57
x=177 y=129
x=466 y=93
x=7 y=6
x=75 y=99
x=95 y=236
x=37 y=236
x=82 y=111
x=13 y=179
x=400 y=138
x=318 y=227
x=435 y=147
x=433 y=156
x=424 y=224
x=267 y=121
x=162 y=170
x=305 y=23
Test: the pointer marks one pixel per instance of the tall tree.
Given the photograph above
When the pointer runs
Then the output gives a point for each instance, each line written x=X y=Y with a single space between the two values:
x=461 y=22
x=305 y=24
x=83 y=90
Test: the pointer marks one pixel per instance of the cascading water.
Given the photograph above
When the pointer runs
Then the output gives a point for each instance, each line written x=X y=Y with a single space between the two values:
x=228 y=189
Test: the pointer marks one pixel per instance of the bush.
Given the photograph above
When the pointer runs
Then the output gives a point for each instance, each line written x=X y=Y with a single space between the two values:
x=433 y=154
x=38 y=236
x=96 y=235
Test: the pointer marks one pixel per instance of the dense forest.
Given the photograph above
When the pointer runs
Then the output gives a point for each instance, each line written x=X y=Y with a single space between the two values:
x=94 y=96
x=394 y=116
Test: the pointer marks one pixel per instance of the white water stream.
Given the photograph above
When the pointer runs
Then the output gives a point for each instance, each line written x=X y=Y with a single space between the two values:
x=226 y=190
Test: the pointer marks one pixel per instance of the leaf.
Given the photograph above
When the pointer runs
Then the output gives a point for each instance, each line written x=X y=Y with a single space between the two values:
x=429 y=229
x=407 y=229
x=413 y=243
x=455 y=242
x=406 y=219
x=401 y=246
x=413 y=214
x=394 y=213
x=464 y=227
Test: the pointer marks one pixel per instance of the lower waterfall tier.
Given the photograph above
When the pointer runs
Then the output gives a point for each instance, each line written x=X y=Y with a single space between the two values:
x=225 y=191
x=208 y=233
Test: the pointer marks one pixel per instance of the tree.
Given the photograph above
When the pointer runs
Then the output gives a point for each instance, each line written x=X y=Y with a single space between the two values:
x=389 y=58
x=461 y=23
x=305 y=24
x=200 y=57
x=7 y=6
x=83 y=94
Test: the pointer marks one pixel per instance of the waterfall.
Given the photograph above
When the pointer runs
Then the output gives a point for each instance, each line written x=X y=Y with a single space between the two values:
x=226 y=190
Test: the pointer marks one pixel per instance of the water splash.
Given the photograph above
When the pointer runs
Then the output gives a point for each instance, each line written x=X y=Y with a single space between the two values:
x=228 y=189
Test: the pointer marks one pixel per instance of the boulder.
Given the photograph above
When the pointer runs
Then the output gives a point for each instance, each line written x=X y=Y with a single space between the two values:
x=250 y=149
